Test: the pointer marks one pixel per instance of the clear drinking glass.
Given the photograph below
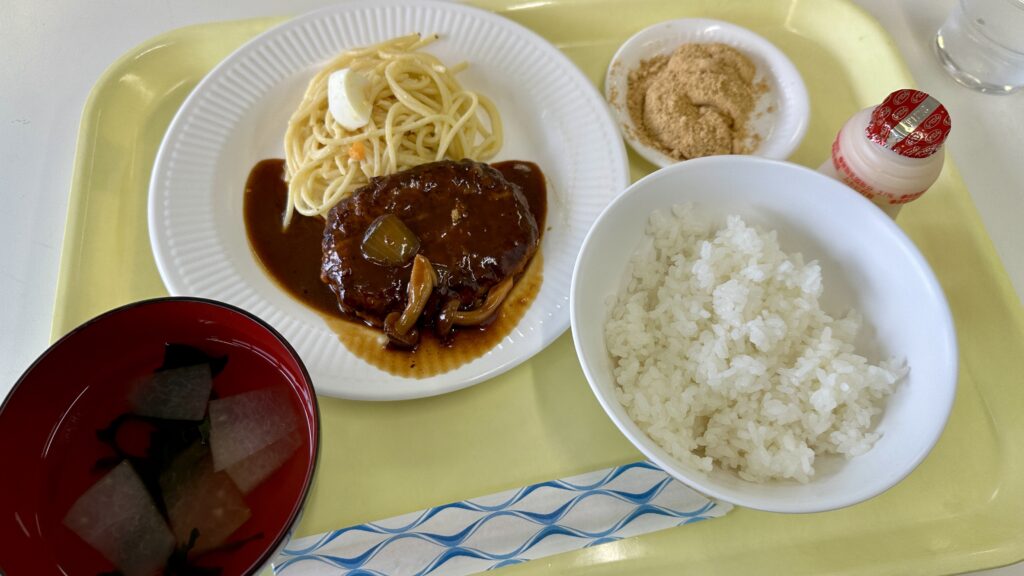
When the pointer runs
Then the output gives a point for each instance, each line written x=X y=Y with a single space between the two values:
x=981 y=45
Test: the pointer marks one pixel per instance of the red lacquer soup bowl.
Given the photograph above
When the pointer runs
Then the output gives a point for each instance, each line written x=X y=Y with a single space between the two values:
x=73 y=422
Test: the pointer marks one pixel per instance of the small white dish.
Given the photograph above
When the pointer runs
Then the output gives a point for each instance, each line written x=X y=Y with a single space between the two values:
x=780 y=116
x=867 y=263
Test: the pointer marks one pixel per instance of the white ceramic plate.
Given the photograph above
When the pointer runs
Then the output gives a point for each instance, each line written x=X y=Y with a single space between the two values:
x=237 y=116
x=781 y=114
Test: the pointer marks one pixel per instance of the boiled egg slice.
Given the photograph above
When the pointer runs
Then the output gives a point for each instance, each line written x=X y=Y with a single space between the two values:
x=348 y=98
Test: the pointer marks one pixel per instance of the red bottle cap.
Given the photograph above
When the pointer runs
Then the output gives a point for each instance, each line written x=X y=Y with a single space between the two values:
x=910 y=123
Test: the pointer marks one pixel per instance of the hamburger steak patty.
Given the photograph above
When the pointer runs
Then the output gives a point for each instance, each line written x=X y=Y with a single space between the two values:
x=473 y=225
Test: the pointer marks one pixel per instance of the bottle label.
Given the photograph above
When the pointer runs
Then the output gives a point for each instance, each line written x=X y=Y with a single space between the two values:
x=851 y=179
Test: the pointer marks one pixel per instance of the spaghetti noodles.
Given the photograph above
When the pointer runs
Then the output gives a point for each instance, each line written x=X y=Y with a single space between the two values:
x=419 y=114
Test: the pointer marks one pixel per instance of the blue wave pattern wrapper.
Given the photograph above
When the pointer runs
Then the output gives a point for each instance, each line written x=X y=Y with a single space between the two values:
x=505 y=528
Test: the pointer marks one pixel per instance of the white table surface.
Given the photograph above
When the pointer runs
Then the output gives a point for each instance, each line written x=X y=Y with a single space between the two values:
x=53 y=51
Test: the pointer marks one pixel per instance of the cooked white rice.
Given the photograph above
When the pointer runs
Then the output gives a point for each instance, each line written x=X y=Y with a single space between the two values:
x=722 y=353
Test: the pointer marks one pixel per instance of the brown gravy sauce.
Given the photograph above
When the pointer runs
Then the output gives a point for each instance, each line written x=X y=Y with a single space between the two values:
x=292 y=259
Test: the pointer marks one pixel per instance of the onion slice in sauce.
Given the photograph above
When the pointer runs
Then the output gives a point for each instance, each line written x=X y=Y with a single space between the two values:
x=389 y=242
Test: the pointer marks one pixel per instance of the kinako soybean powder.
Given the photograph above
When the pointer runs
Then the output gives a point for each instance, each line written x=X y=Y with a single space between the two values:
x=695 y=102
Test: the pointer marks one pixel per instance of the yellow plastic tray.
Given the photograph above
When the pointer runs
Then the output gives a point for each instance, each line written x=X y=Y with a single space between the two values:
x=961 y=510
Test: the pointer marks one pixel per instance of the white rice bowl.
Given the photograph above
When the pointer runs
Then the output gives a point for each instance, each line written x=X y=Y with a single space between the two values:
x=867 y=264
x=723 y=355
